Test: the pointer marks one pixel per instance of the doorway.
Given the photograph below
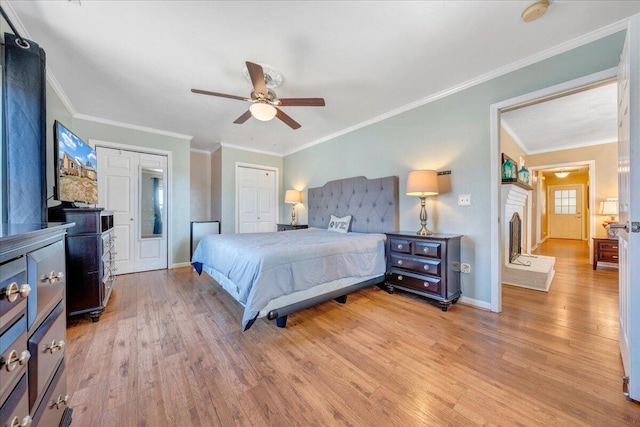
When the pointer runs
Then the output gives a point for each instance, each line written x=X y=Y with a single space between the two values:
x=566 y=211
x=256 y=198
x=134 y=185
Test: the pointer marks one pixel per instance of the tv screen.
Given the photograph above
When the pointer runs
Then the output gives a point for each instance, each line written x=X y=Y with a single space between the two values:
x=76 y=171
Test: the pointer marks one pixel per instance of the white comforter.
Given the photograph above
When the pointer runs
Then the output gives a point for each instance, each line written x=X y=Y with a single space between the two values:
x=264 y=266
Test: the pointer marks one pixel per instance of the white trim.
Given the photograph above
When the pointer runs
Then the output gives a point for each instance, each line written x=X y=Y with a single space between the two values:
x=51 y=79
x=494 y=124
x=276 y=192
x=573 y=146
x=252 y=150
x=514 y=136
x=197 y=150
x=537 y=57
x=180 y=265
x=115 y=145
x=475 y=302
x=134 y=127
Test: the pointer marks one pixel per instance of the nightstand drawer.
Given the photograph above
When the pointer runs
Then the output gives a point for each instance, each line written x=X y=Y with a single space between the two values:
x=608 y=246
x=423 y=284
x=419 y=266
x=400 y=246
x=428 y=249
x=608 y=255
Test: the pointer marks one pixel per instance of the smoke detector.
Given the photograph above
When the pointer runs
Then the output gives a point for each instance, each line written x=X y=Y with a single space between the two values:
x=535 y=11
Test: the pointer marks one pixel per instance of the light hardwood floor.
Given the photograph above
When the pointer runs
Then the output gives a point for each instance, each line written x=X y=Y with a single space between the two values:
x=169 y=351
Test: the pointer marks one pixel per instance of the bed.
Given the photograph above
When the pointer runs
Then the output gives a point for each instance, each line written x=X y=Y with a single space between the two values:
x=275 y=274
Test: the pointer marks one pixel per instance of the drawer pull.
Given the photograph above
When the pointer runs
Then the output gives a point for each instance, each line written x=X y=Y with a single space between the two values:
x=399 y=262
x=26 y=421
x=399 y=277
x=15 y=360
x=13 y=290
x=426 y=267
x=425 y=250
x=400 y=246
x=61 y=400
x=426 y=284
x=54 y=346
x=52 y=276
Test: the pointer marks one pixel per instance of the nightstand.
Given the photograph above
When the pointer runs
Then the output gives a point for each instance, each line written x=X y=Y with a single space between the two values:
x=605 y=250
x=425 y=265
x=289 y=227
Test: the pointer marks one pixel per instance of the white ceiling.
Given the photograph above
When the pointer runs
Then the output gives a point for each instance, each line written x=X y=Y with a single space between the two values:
x=580 y=119
x=134 y=62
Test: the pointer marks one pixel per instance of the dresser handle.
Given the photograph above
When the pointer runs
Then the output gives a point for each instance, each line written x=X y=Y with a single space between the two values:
x=61 y=400
x=15 y=360
x=54 y=346
x=399 y=262
x=52 y=276
x=426 y=284
x=399 y=277
x=426 y=250
x=426 y=267
x=399 y=246
x=26 y=421
x=13 y=290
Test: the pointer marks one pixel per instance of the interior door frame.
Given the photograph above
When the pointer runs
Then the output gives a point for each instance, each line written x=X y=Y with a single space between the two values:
x=276 y=193
x=118 y=146
x=496 y=183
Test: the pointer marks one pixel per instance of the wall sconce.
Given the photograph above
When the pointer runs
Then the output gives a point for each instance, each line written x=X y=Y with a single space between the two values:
x=294 y=197
x=422 y=183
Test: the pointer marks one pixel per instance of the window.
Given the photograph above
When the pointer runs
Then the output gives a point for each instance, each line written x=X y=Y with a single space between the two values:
x=564 y=202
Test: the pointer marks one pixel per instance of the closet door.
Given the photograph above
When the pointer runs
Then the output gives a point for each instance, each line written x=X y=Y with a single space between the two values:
x=133 y=186
x=256 y=200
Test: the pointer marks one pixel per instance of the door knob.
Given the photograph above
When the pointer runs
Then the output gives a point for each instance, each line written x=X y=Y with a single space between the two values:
x=624 y=226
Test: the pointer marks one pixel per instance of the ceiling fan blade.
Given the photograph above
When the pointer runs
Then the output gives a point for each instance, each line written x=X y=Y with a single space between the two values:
x=243 y=118
x=257 y=77
x=222 y=95
x=288 y=120
x=301 y=102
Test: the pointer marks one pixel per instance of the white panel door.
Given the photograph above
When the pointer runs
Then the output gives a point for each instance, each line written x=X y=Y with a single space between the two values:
x=629 y=207
x=565 y=212
x=256 y=200
x=116 y=192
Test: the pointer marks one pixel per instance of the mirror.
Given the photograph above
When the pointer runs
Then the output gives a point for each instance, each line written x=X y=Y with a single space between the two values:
x=151 y=202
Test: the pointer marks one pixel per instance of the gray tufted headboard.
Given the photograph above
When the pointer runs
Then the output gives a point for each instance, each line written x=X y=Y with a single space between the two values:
x=372 y=203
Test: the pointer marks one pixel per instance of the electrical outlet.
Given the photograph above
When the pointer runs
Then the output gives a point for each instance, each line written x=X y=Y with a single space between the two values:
x=465 y=268
x=464 y=199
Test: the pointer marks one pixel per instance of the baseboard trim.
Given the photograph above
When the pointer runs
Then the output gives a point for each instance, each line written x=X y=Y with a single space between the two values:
x=181 y=265
x=475 y=303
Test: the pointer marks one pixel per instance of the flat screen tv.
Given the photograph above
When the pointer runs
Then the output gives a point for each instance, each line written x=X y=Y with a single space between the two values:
x=76 y=168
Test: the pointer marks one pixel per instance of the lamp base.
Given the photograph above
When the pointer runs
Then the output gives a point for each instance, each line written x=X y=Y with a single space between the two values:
x=424 y=231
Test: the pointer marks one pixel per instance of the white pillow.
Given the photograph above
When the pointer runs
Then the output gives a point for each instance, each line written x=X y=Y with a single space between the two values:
x=339 y=225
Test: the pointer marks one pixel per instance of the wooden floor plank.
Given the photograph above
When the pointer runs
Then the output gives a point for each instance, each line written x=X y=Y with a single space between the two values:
x=169 y=350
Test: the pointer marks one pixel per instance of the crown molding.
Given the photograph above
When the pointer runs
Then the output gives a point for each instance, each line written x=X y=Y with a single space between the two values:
x=133 y=127
x=574 y=146
x=513 y=135
x=197 y=150
x=532 y=59
x=252 y=150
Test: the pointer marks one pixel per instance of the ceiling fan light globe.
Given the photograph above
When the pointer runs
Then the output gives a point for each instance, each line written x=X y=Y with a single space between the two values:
x=263 y=112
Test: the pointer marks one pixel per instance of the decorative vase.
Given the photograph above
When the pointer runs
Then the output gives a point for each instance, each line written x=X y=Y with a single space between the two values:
x=508 y=169
x=523 y=175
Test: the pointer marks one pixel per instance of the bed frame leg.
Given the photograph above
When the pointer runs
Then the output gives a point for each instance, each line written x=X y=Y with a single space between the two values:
x=281 y=322
x=342 y=299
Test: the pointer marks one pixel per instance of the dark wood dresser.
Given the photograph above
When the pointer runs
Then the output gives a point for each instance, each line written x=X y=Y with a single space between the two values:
x=604 y=250
x=289 y=227
x=33 y=382
x=90 y=257
x=425 y=265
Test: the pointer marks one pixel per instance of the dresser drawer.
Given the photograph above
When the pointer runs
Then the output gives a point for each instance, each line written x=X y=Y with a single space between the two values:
x=419 y=266
x=608 y=255
x=400 y=246
x=46 y=268
x=608 y=246
x=14 y=356
x=54 y=402
x=13 y=295
x=428 y=249
x=47 y=347
x=423 y=284
x=16 y=408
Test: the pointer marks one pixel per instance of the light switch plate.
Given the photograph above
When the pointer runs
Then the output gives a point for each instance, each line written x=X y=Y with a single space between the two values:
x=464 y=199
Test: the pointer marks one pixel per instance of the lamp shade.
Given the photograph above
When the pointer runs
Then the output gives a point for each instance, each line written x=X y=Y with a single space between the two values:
x=292 y=196
x=609 y=207
x=422 y=183
x=263 y=112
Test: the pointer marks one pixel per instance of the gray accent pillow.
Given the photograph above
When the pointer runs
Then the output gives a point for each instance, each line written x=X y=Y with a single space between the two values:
x=339 y=224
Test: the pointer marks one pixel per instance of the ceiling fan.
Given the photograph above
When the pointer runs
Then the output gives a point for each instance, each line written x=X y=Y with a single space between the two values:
x=264 y=102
